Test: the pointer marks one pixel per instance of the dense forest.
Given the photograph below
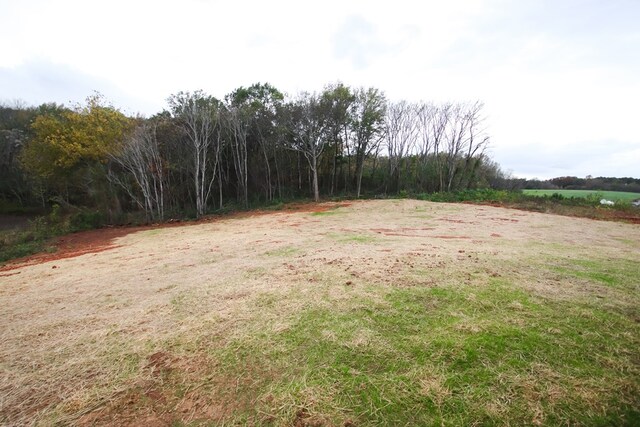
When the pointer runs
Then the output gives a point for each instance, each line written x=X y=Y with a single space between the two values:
x=254 y=146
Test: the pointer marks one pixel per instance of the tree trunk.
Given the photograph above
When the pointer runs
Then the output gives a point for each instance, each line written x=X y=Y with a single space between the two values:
x=314 y=170
x=268 y=172
x=278 y=183
x=359 y=169
x=299 y=172
x=220 y=184
x=197 y=183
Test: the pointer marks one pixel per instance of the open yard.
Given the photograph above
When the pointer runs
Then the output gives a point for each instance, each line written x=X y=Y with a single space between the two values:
x=389 y=312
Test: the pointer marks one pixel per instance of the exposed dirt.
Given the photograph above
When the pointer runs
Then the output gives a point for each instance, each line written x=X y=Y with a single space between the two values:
x=145 y=403
x=116 y=327
x=94 y=241
x=72 y=245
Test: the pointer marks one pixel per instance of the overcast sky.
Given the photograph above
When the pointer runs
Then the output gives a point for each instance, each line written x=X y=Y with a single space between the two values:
x=560 y=79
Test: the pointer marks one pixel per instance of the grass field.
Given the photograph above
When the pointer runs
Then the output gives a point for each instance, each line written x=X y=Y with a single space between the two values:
x=609 y=195
x=386 y=312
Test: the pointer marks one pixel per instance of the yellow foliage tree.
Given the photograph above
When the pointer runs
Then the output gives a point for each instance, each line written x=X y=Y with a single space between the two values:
x=75 y=138
x=68 y=143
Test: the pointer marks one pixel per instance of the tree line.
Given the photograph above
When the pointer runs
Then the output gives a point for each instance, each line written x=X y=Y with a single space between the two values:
x=255 y=145
x=600 y=183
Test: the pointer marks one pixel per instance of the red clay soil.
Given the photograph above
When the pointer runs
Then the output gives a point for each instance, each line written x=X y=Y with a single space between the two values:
x=93 y=241
x=72 y=245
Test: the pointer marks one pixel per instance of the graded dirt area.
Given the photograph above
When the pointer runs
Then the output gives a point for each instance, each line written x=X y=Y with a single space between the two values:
x=144 y=330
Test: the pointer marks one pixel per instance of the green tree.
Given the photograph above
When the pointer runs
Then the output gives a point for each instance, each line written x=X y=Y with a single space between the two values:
x=368 y=114
x=257 y=108
x=338 y=100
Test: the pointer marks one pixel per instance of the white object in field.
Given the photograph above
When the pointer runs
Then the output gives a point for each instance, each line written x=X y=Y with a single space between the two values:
x=607 y=202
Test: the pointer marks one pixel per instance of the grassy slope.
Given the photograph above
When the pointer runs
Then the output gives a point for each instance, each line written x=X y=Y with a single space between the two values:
x=609 y=195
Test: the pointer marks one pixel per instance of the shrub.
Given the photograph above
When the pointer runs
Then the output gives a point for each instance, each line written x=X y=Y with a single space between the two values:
x=86 y=220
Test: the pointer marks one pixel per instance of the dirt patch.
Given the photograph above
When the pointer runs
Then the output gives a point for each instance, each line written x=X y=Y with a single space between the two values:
x=159 y=361
x=95 y=241
x=9 y=274
x=505 y=219
x=153 y=401
x=402 y=232
x=458 y=221
x=76 y=244
x=304 y=419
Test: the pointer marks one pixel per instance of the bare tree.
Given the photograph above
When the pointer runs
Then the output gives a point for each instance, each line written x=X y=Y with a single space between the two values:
x=139 y=156
x=433 y=120
x=456 y=134
x=198 y=114
x=427 y=113
x=437 y=128
x=401 y=131
x=238 y=122
x=477 y=142
x=465 y=139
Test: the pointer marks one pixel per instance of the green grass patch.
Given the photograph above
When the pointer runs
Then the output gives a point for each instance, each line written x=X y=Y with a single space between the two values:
x=478 y=195
x=12 y=246
x=283 y=252
x=583 y=194
x=352 y=237
x=454 y=356
x=619 y=273
x=20 y=243
x=330 y=212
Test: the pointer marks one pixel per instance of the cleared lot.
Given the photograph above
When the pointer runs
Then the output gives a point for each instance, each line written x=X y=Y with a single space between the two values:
x=378 y=312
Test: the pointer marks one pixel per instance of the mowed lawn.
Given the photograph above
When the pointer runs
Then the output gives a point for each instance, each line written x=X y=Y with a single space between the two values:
x=387 y=312
x=609 y=195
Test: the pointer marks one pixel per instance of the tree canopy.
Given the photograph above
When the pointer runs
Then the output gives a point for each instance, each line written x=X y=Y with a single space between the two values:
x=254 y=145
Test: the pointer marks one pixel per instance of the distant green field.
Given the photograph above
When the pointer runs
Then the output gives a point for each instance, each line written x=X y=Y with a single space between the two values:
x=609 y=195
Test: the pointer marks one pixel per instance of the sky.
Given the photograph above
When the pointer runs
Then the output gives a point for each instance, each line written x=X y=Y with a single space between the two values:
x=560 y=79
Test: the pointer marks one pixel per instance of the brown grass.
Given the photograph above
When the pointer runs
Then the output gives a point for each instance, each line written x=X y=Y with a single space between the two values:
x=121 y=335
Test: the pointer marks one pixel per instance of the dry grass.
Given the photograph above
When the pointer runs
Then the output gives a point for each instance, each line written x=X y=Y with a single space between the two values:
x=221 y=321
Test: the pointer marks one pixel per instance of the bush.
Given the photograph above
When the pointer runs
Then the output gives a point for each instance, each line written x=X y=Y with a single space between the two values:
x=19 y=243
x=86 y=220
x=479 y=195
